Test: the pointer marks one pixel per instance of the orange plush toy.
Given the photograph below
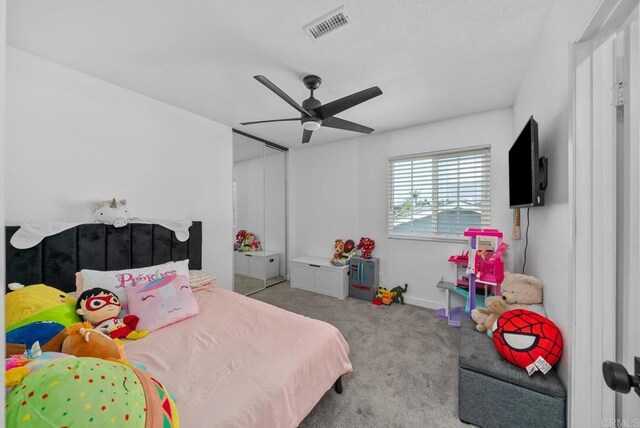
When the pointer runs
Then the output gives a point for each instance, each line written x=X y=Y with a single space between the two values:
x=84 y=341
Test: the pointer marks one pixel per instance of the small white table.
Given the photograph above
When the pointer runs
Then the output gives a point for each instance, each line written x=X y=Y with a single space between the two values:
x=320 y=276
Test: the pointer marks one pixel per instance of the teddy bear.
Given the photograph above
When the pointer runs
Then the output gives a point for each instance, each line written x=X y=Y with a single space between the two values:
x=496 y=306
x=521 y=289
x=519 y=292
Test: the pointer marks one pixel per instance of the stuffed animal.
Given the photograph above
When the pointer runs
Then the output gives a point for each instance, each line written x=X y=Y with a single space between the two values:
x=255 y=245
x=520 y=292
x=102 y=309
x=20 y=366
x=342 y=252
x=521 y=289
x=496 y=307
x=37 y=313
x=349 y=245
x=240 y=236
x=528 y=340
x=338 y=251
x=249 y=242
x=112 y=212
x=84 y=341
x=81 y=340
x=366 y=246
x=87 y=391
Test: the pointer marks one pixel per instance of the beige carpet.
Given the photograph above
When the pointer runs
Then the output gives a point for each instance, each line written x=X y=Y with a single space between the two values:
x=404 y=362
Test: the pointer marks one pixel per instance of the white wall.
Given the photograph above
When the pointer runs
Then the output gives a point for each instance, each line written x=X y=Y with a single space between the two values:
x=545 y=93
x=260 y=200
x=73 y=139
x=339 y=190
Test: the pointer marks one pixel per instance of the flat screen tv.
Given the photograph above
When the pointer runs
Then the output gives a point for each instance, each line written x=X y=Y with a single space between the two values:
x=527 y=172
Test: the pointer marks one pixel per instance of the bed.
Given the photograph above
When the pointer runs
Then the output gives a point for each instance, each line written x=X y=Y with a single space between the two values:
x=238 y=363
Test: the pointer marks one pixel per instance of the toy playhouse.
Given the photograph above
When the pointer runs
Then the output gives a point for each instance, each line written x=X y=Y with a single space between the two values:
x=478 y=270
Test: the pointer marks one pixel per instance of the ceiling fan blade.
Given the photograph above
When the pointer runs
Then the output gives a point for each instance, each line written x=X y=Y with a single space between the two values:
x=279 y=92
x=267 y=121
x=334 y=122
x=337 y=106
x=306 y=136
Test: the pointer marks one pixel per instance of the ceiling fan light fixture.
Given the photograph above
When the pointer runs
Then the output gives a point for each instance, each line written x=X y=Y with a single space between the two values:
x=312 y=124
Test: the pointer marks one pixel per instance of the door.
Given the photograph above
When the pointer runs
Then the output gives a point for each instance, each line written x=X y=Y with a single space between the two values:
x=275 y=210
x=628 y=213
x=248 y=213
x=605 y=204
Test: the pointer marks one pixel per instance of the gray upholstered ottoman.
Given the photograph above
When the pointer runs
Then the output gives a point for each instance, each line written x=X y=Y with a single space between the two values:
x=493 y=393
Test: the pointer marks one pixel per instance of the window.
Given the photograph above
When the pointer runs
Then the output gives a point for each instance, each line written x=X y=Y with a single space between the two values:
x=439 y=195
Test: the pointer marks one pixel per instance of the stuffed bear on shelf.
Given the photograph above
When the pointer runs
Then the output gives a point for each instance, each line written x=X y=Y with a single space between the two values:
x=496 y=306
x=519 y=292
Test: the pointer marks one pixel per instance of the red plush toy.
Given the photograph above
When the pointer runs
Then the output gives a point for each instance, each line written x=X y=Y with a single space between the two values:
x=366 y=246
x=240 y=236
x=528 y=340
x=349 y=245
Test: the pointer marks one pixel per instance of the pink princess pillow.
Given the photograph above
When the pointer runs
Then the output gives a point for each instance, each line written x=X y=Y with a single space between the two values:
x=161 y=302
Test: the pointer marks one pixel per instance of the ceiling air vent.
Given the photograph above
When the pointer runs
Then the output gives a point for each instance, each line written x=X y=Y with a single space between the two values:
x=337 y=18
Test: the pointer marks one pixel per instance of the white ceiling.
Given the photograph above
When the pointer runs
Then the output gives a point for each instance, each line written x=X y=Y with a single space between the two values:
x=433 y=59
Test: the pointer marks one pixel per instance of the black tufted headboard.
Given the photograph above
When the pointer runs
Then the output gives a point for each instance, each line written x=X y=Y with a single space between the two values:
x=57 y=258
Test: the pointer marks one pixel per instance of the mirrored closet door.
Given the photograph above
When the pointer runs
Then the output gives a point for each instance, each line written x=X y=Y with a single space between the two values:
x=259 y=214
x=275 y=204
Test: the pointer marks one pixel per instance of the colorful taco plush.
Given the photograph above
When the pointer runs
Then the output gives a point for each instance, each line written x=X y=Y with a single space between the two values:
x=87 y=391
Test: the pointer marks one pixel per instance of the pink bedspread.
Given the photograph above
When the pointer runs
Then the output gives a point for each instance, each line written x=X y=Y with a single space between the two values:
x=243 y=363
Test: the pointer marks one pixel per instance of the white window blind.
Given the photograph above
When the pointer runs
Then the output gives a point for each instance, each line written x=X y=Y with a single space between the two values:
x=439 y=195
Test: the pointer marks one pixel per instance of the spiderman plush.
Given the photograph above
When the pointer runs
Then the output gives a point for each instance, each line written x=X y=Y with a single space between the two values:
x=528 y=340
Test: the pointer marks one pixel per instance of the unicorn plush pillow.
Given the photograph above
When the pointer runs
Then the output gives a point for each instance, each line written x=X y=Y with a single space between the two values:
x=163 y=301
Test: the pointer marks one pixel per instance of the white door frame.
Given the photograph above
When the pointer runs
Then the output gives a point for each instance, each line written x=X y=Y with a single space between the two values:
x=630 y=329
x=593 y=189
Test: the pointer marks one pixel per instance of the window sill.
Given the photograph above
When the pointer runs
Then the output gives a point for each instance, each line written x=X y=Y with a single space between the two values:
x=455 y=240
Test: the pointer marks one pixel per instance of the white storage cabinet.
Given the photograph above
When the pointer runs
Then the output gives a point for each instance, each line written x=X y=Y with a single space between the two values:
x=320 y=276
x=252 y=264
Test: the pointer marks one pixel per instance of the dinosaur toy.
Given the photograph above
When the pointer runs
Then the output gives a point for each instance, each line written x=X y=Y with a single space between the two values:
x=399 y=291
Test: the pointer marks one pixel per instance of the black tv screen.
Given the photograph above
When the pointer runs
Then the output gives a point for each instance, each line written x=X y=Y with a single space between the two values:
x=525 y=188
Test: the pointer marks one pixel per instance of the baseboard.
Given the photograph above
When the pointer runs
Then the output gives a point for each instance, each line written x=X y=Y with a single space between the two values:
x=425 y=303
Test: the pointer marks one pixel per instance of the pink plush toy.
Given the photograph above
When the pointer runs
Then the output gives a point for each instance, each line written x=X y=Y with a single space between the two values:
x=366 y=246
x=163 y=301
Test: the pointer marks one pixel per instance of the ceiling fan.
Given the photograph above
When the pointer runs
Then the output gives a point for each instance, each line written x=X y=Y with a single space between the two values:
x=314 y=114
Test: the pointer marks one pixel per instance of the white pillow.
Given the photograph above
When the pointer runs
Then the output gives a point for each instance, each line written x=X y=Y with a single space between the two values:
x=117 y=280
